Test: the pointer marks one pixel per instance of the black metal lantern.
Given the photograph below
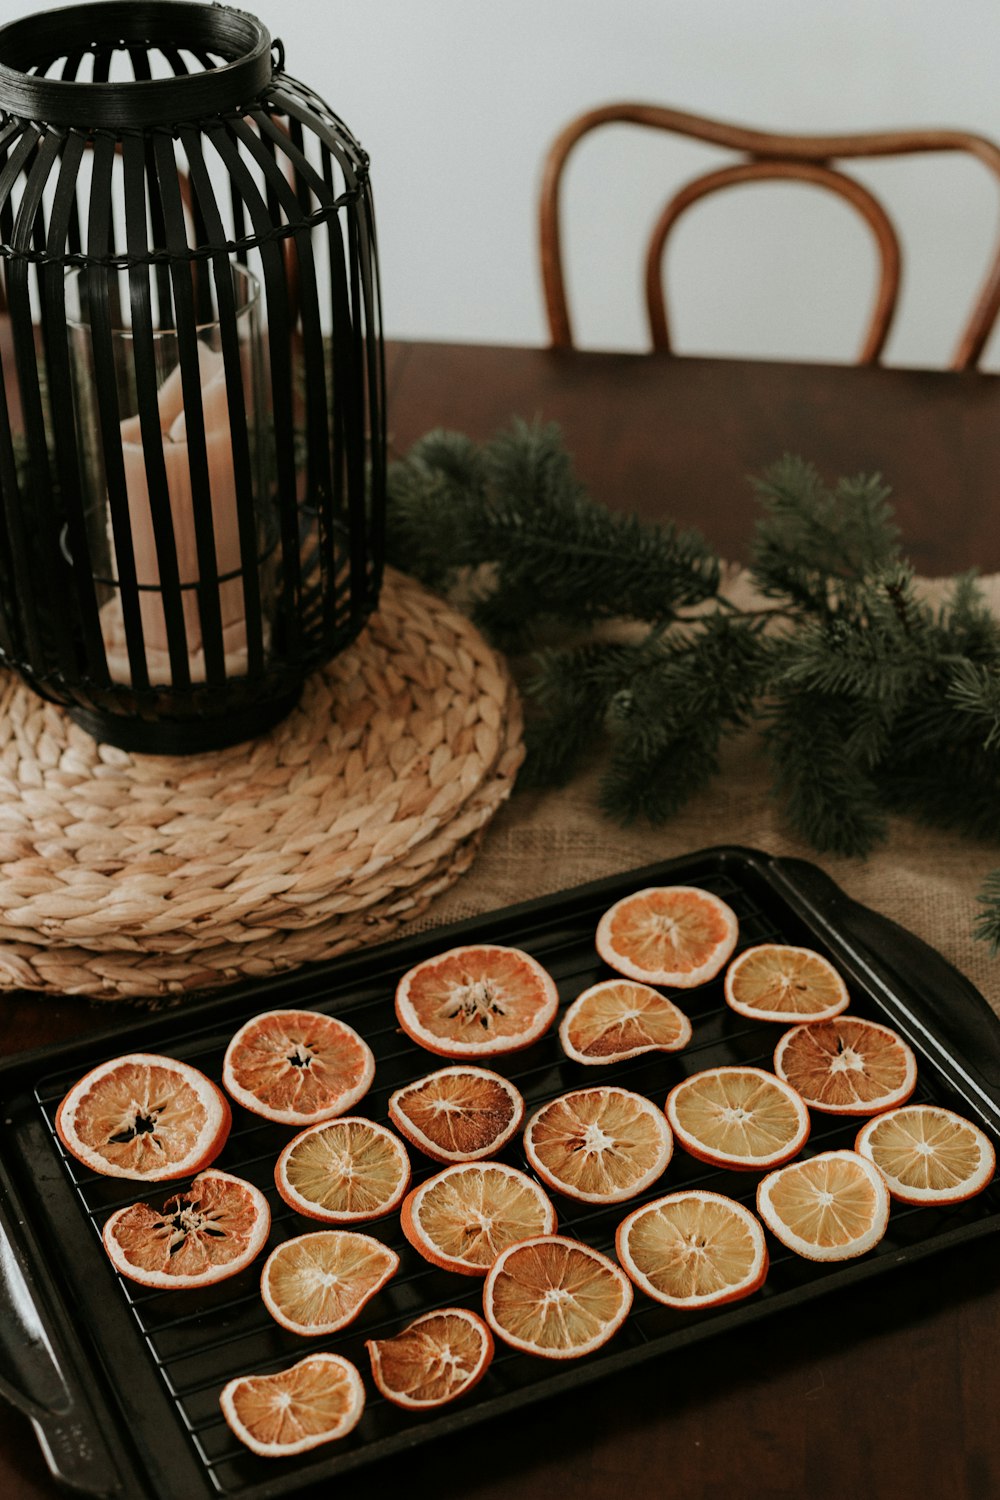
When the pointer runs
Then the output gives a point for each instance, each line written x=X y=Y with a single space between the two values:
x=192 y=424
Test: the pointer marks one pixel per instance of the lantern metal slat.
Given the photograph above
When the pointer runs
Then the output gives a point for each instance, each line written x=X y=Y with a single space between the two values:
x=192 y=427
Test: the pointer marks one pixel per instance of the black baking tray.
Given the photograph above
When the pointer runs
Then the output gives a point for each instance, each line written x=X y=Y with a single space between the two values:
x=122 y=1383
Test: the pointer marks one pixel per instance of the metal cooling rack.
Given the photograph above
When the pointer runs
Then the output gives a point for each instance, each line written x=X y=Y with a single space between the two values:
x=162 y=1357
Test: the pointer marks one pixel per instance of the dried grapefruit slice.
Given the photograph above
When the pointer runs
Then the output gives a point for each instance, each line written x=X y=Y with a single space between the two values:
x=435 y=1359
x=461 y=1218
x=458 y=1114
x=343 y=1171
x=620 y=1018
x=197 y=1237
x=847 y=1066
x=315 y=1401
x=776 y=982
x=738 y=1117
x=476 y=1001
x=145 y=1117
x=675 y=935
x=600 y=1144
x=928 y=1154
x=297 y=1066
x=693 y=1249
x=319 y=1282
x=555 y=1297
x=834 y=1206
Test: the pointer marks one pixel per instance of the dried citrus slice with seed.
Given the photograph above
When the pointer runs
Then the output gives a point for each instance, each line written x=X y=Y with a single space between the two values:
x=208 y=1232
x=457 y=1114
x=693 y=1249
x=555 y=1297
x=600 y=1144
x=832 y=1207
x=343 y=1171
x=738 y=1117
x=319 y=1282
x=316 y=1401
x=461 y=1218
x=928 y=1154
x=435 y=1359
x=776 y=982
x=620 y=1018
x=847 y=1066
x=675 y=935
x=145 y=1117
x=297 y=1066
x=476 y=1001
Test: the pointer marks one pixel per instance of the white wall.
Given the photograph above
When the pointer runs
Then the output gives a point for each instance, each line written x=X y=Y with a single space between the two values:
x=456 y=101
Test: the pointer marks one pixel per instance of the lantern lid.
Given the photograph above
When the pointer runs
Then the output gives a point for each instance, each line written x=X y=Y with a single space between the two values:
x=208 y=31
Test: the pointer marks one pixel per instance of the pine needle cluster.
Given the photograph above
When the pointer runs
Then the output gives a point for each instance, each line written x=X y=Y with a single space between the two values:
x=871 y=700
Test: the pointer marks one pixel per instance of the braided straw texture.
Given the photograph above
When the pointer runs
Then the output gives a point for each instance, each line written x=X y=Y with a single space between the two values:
x=128 y=876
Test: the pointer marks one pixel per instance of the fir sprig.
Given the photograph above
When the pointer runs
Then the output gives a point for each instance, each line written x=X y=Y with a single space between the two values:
x=871 y=701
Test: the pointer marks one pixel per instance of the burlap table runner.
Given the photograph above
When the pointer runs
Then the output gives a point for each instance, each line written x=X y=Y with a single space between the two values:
x=924 y=879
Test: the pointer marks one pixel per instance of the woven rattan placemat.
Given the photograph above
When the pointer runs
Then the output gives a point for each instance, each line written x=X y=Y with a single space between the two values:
x=149 y=876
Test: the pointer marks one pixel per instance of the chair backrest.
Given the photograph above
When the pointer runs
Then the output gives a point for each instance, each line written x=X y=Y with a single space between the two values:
x=766 y=156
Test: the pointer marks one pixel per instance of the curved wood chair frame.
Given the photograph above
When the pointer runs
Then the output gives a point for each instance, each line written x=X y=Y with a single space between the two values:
x=767 y=156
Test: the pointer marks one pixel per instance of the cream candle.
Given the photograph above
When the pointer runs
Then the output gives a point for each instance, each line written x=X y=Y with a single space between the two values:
x=222 y=485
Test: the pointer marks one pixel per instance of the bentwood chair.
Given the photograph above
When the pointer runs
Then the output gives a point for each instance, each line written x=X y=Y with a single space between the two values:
x=766 y=157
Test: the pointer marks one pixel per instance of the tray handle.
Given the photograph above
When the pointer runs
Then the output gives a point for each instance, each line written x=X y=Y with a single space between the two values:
x=36 y=1382
x=951 y=1015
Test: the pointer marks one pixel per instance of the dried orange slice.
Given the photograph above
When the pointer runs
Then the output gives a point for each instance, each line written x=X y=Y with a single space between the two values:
x=435 y=1359
x=832 y=1207
x=675 y=935
x=316 y=1401
x=620 y=1018
x=145 y=1117
x=297 y=1066
x=738 y=1117
x=319 y=1282
x=600 y=1145
x=555 y=1297
x=928 y=1154
x=476 y=1001
x=343 y=1171
x=205 y=1234
x=693 y=1249
x=776 y=982
x=847 y=1066
x=461 y=1218
x=462 y=1113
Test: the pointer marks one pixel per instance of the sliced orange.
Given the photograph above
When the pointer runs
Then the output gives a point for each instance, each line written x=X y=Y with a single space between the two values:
x=435 y=1359
x=693 y=1249
x=738 y=1117
x=928 y=1154
x=316 y=1401
x=457 y=1114
x=297 y=1066
x=319 y=1282
x=476 y=1001
x=145 y=1117
x=847 y=1066
x=463 y=1217
x=555 y=1297
x=675 y=935
x=621 y=1018
x=343 y=1171
x=600 y=1144
x=203 y=1235
x=776 y=982
x=834 y=1206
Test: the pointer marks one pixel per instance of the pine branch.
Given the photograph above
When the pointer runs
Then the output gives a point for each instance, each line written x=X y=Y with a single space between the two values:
x=987 y=926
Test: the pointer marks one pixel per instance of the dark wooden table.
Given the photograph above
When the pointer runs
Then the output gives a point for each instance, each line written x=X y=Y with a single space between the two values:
x=888 y=1390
